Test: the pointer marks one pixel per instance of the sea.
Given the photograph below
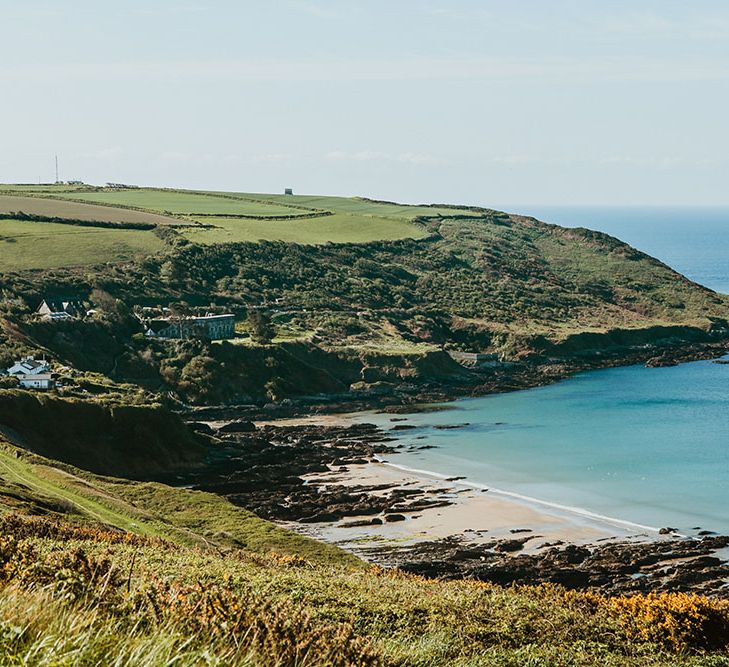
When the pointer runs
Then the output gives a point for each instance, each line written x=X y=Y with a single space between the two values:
x=644 y=447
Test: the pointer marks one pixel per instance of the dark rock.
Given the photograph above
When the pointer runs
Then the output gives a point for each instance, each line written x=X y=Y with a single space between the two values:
x=238 y=427
x=510 y=545
x=201 y=427
x=358 y=524
x=391 y=518
x=667 y=531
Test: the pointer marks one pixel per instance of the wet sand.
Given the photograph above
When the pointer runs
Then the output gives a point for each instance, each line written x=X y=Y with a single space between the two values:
x=477 y=515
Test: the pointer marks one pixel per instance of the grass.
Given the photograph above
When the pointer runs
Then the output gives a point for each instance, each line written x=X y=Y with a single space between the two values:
x=188 y=517
x=179 y=202
x=510 y=277
x=356 y=205
x=71 y=210
x=77 y=595
x=338 y=228
x=122 y=572
x=41 y=245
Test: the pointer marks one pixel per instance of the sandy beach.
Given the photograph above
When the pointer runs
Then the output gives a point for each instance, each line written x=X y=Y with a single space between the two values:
x=477 y=515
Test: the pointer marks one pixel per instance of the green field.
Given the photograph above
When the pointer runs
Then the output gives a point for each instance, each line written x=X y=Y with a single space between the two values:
x=69 y=210
x=31 y=188
x=42 y=245
x=361 y=206
x=204 y=218
x=338 y=228
x=184 y=203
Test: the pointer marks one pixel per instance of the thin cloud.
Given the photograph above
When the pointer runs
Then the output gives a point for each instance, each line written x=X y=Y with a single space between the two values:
x=559 y=70
x=419 y=159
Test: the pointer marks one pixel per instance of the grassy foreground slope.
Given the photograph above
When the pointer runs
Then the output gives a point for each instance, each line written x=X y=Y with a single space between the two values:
x=118 y=572
x=35 y=485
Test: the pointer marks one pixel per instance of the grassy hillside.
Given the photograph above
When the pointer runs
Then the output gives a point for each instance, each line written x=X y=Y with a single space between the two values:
x=142 y=573
x=138 y=441
x=72 y=210
x=187 y=203
x=77 y=595
x=34 y=485
x=347 y=275
x=336 y=228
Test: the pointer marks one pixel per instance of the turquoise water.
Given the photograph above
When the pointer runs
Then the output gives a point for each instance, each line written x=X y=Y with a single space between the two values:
x=649 y=446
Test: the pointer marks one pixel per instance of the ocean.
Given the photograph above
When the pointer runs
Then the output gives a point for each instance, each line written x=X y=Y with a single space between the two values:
x=648 y=446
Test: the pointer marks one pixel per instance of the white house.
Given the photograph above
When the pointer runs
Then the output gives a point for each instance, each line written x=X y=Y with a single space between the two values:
x=29 y=366
x=38 y=381
x=32 y=373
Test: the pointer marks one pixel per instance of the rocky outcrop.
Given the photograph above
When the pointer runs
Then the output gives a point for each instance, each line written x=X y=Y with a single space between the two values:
x=263 y=471
x=676 y=564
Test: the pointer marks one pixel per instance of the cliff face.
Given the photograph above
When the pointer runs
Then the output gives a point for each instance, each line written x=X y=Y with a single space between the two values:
x=138 y=442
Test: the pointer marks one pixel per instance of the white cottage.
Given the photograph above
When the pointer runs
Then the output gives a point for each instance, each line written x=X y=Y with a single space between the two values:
x=29 y=366
x=32 y=373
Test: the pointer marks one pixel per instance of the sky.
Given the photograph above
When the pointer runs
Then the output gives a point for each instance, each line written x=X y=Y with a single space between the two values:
x=554 y=102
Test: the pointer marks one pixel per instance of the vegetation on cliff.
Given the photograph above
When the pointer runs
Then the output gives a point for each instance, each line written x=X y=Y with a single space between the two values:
x=454 y=278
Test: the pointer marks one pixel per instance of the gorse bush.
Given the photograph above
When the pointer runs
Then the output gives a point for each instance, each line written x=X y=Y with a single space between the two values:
x=74 y=595
x=679 y=621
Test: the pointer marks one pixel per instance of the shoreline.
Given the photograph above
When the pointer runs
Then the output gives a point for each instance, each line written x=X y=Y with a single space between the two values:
x=499 y=538
x=420 y=397
x=578 y=512
x=477 y=513
x=326 y=481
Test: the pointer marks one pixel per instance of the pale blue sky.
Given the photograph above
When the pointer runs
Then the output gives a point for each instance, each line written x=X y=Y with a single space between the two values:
x=488 y=102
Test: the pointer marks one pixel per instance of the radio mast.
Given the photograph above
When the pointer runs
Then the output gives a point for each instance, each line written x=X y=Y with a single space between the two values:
x=57 y=168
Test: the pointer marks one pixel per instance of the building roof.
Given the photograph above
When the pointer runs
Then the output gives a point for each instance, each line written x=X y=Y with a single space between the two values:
x=62 y=305
x=28 y=366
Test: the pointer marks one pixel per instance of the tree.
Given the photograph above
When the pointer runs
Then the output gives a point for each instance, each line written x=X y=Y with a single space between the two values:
x=261 y=326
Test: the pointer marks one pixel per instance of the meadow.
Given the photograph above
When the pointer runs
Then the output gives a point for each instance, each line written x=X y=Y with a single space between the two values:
x=185 y=203
x=358 y=205
x=204 y=218
x=70 y=210
x=27 y=245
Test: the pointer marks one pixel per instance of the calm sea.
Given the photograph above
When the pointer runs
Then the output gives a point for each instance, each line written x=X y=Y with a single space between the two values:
x=649 y=446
